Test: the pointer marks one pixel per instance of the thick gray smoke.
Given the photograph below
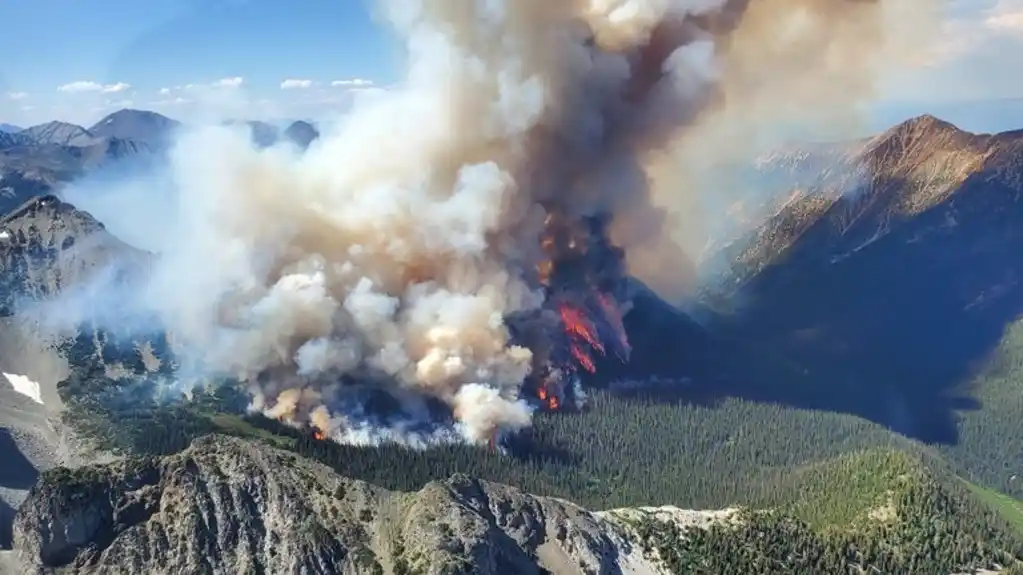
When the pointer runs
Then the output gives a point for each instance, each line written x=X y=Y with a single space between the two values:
x=392 y=250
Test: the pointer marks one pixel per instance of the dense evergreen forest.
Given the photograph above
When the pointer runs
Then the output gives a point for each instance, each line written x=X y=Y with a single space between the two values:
x=619 y=452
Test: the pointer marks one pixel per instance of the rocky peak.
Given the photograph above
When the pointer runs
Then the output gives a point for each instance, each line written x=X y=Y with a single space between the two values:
x=140 y=126
x=61 y=133
x=228 y=505
x=301 y=133
x=10 y=139
x=47 y=244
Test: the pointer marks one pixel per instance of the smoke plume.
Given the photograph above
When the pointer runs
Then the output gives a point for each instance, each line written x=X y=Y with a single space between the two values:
x=407 y=254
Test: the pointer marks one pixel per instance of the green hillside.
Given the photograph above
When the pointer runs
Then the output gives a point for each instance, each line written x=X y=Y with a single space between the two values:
x=879 y=511
x=990 y=446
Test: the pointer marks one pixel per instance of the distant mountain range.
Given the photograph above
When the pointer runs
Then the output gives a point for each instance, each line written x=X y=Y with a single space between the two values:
x=37 y=159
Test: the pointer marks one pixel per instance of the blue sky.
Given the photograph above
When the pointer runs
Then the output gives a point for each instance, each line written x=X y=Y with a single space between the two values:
x=164 y=54
x=113 y=51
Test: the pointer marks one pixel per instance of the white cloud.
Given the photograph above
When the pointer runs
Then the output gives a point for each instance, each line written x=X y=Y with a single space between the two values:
x=233 y=82
x=228 y=83
x=294 y=84
x=80 y=86
x=352 y=83
x=1006 y=17
x=969 y=59
x=974 y=28
x=205 y=99
x=17 y=95
x=90 y=86
x=115 y=88
x=169 y=102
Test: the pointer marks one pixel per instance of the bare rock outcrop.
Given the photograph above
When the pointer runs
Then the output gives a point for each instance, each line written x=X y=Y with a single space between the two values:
x=228 y=506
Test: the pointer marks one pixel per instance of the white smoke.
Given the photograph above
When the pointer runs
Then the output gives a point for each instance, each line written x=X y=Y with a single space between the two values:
x=392 y=250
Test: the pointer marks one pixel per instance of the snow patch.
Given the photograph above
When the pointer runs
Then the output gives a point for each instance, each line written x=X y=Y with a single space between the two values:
x=25 y=386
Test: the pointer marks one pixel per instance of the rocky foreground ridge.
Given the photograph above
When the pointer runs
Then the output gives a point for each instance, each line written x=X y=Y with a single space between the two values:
x=227 y=505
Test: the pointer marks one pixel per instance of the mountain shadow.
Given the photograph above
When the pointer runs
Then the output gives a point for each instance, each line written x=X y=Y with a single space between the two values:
x=881 y=302
x=7 y=514
x=17 y=472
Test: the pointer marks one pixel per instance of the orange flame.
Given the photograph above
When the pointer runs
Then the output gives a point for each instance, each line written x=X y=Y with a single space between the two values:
x=547 y=397
x=584 y=359
x=578 y=326
x=317 y=434
x=565 y=240
x=553 y=402
x=614 y=315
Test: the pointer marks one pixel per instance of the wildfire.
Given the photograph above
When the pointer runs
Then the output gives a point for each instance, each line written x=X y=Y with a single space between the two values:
x=579 y=327
x=579 y=270
x=549 y=399
x=614 y=316
x=317 y=434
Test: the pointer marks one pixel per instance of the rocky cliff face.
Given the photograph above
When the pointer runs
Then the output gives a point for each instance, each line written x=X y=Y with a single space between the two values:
x=47 y=245
x=228 y=506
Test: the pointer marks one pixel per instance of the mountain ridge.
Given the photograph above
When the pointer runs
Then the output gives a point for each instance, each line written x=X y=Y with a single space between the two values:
x=244 y=506
x=898 y=174
x=150 y=128
x=42 y=158
x=57 y=132
x=341 y=525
